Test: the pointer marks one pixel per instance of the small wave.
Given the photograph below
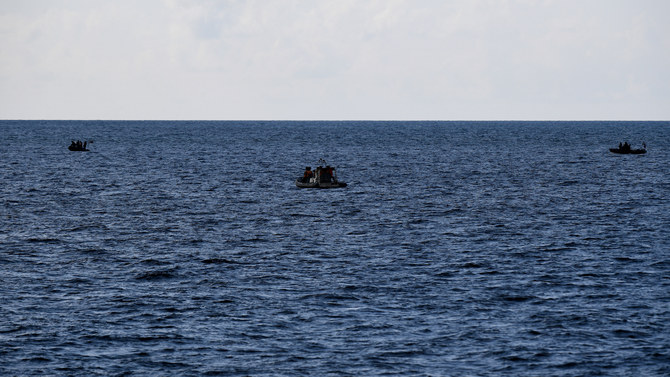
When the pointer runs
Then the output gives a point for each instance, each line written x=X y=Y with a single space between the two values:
x=151 y=338
x=43 y=240
x=398 y=354
x=591 y=275
x=357 y=232
x=512 y=298
x=91 y=251
x=79 y=280
x=626 y=259
x=569 y=364
x=472 y=265
x=37 y=359
x=303 y=215
x=623 y=333
x=557 y=248
x=83 y=227
x=219 y=261
x=156 y=275
x=329 y=297
x=445 y=274
x=154 y=262
x=568 y=183
x=663 y=263
x=12 y=329
x=255 y=239
x=515 y=358
x=490 y=272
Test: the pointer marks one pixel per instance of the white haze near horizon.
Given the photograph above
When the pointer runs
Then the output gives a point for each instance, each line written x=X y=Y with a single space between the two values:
x=335 y=59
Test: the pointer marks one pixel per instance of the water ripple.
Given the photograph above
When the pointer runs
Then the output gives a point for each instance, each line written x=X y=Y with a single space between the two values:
x=457 y=249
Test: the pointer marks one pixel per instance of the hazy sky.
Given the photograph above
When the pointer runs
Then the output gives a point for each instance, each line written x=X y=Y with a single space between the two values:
x=335 y=59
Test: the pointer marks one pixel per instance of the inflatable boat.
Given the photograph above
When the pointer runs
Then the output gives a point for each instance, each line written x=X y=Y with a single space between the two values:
x=321 y=177
x=78 y=146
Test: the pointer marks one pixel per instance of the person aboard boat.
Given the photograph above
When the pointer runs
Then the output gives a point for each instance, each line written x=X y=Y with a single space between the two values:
x=307 y=175
x=330 y=174
x=326 y=174
x=319 y=171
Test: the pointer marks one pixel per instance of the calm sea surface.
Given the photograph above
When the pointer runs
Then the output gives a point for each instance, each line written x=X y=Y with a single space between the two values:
x=458 y=249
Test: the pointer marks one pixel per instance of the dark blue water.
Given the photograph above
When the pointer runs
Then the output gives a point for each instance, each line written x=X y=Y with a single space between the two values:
x=184 y=248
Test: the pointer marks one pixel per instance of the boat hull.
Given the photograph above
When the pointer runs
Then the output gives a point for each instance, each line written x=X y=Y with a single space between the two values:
x=75 y=149
x=628 y=151
x=322 y=185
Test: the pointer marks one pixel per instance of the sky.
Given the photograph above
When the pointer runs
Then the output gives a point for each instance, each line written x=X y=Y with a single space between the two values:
x=335 y=59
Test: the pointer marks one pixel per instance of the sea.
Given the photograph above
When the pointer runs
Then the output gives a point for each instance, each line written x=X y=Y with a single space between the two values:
x=184 y=248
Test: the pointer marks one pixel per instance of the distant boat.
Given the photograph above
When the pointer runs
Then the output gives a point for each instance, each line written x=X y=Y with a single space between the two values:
x=322 y=178
x=78 y=146
x=626 y=149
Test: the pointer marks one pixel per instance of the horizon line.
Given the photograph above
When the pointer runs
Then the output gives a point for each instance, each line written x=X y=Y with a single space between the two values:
x=334 y=120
